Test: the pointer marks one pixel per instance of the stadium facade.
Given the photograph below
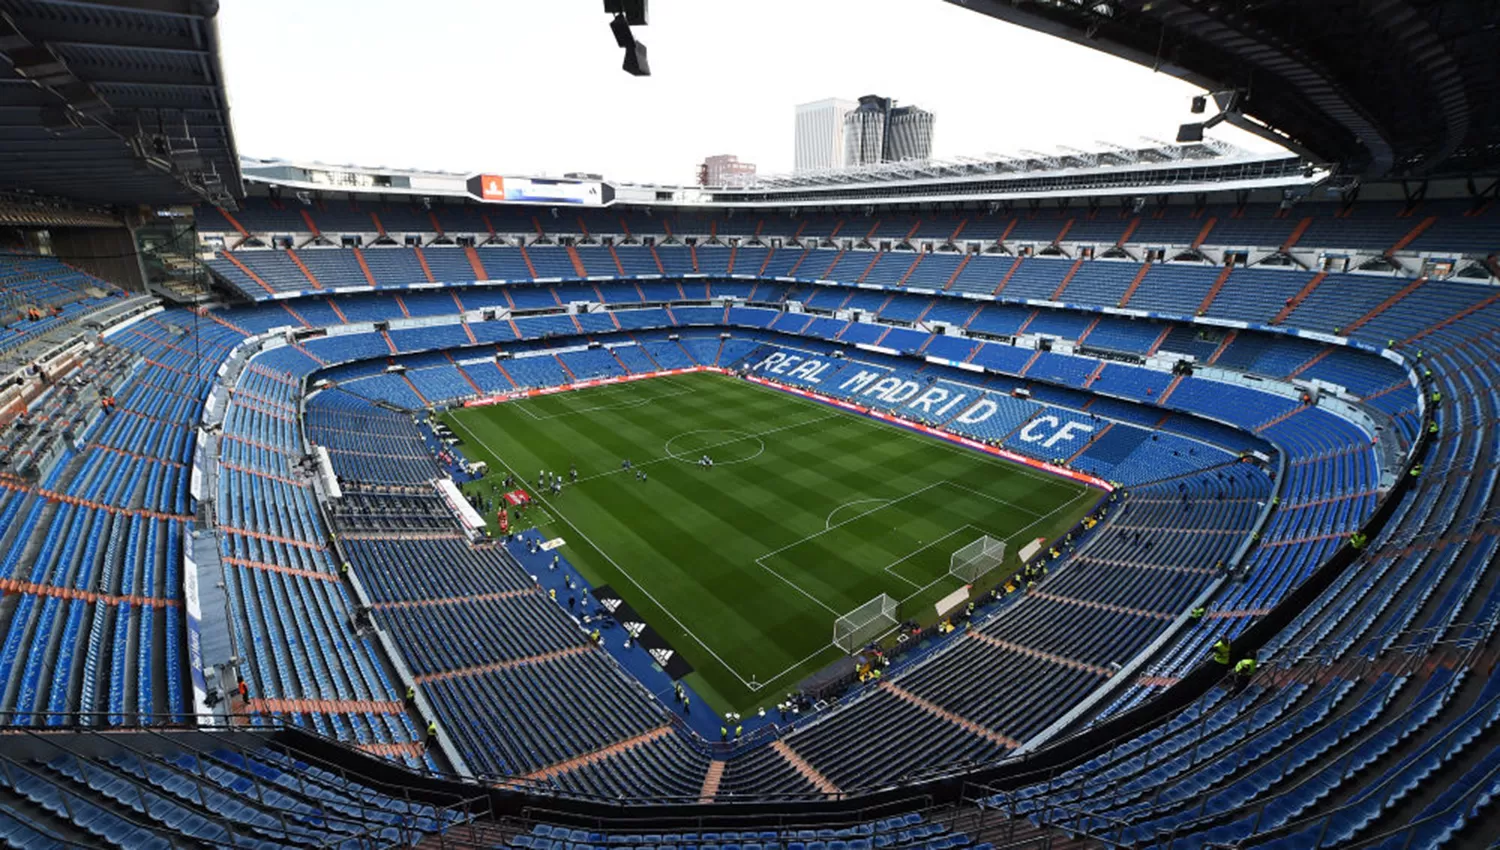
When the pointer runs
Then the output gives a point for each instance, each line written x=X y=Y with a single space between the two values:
x=1275 y=382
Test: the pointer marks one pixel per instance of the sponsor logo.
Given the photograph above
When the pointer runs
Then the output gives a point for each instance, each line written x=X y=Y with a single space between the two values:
x=492 y=187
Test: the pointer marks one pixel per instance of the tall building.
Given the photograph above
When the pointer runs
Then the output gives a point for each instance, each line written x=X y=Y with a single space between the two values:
x=908 y=134
x=819 y=138
x=879 y=131
x=725 y=170
x=864 y=131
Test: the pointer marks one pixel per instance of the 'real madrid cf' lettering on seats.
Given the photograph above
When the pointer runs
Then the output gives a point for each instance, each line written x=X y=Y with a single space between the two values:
x=1049 y=431
x=967 y=408
x=860 y=380
x=794 y=366
x=939 y=402
x=980 y=412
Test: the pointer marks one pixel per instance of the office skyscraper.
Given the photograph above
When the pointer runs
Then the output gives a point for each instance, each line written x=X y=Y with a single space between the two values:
x=879 y=131
x=819 y=137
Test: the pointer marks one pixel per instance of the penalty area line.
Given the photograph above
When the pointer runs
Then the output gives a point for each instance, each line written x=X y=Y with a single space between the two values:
x=889 y=568
x=760 y=561
x=793 y=585
x=828 y=523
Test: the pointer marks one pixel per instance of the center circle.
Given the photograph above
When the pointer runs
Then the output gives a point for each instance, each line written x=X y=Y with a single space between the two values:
x=722 y=445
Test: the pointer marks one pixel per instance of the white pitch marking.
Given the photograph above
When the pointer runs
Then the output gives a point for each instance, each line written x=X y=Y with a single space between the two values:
x=828 y=523
x=743 y=436
x=616 y=564
x=607 y=389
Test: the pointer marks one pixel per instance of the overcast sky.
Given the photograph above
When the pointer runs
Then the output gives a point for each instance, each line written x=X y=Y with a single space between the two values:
x=535 y=87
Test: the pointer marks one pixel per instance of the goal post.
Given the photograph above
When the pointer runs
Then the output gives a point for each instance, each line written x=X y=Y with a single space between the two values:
x=976 y=559
x=865 y=623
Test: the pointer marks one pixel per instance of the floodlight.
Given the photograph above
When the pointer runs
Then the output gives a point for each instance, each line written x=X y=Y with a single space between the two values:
x=635 y=60
x=621 y=28
x=635 y=11
x=1190 y=132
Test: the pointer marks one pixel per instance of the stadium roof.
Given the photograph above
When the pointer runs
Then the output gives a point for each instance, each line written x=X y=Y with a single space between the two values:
x=1025 y=162
x=115 y=102
x=1112 y=171
x=1400 y=88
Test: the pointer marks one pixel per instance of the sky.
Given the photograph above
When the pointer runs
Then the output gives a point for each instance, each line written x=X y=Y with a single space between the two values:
x=534 y=87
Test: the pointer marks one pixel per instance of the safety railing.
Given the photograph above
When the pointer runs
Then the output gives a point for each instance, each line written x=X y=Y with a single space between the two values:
x=403 y=811
x=1050 y=810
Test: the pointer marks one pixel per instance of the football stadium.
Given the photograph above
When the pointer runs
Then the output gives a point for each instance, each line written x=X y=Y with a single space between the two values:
x=1134 y=496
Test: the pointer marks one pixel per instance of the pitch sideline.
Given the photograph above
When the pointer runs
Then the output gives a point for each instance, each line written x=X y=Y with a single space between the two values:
x=616 y=564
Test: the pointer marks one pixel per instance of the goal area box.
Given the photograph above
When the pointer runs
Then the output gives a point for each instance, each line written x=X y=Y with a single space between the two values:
x=857 y=628
x=976 y=559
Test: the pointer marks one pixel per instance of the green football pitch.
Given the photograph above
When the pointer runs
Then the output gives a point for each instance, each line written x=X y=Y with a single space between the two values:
x=808 y=512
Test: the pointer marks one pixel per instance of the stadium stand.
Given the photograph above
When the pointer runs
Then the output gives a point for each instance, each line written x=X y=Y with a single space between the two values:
x=1326 y=491
x=1116 y=450
x=1292 y=400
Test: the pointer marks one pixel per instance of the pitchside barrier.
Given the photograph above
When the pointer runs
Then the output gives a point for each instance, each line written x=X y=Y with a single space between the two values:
x=869 y=621
x=976 y=559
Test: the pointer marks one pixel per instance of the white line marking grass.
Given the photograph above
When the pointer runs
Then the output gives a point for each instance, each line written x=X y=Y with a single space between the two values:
x=1010 y=466
x=828 y=523
x=616 y=564
x=890 y=568
x=746 y=436
x=606 y=390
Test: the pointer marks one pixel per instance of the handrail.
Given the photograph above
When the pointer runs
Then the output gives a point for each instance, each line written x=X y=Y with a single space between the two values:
x=1411 y=827
x=1045 y=803
x=1295 y=654
x=377 y=827
x=1425 y=746
x=920 y=804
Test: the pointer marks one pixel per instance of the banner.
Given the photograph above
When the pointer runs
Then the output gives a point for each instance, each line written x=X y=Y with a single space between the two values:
x=498 y=188
x=193 y=611
x=661 y=652
x=459 y=505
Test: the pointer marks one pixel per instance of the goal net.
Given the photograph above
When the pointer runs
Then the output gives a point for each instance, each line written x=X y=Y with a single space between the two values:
x=977 y=558
x=865 y=623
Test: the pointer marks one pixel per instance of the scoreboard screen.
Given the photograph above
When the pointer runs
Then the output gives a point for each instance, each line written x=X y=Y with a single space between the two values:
x=496 y=188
